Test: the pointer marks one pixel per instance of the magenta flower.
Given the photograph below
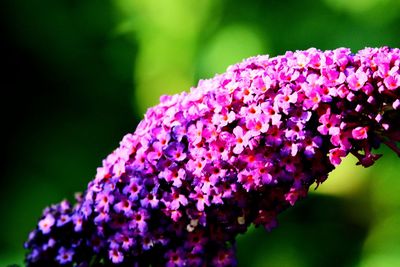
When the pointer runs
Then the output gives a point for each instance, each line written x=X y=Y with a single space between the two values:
x=195 y=133
x=64 y=218
x=46 y=223
x=64 y=255
x=357 y=80
x=138 y=220
x=237 y=150
x=124 y=206
x=115 y=255
x=200 y=198
x=177 y=200
x=104 y=200
x=241 y=139
x=149 y=200
x=359 y=133
x=175 y=151
x=336 y=155
x=175 y=258
x=392 y=82
x=329 y=123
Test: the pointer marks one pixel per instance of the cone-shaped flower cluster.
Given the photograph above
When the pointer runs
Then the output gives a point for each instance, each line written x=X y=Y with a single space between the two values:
x=237 y=150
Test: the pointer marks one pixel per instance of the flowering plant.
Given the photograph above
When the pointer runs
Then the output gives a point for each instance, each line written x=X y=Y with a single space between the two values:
x=237 y=150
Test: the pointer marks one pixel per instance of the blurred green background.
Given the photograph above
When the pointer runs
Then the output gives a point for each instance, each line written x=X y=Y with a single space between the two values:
x=78 y=75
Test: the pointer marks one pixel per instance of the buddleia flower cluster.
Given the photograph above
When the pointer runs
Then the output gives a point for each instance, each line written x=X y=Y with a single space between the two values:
x=237 y=150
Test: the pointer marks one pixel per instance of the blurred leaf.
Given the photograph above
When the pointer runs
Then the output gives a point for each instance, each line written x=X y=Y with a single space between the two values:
x=230 y=45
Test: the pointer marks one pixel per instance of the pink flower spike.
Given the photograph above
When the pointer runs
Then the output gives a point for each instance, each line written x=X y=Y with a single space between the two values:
x=237 y=150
